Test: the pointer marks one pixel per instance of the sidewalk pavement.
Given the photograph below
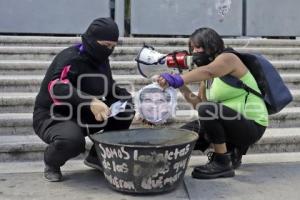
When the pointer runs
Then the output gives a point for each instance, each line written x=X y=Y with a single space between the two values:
x=262 y=176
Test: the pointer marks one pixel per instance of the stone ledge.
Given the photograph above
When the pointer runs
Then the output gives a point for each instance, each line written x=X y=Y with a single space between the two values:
x=22 y=148
x=135 y=79
x=288 y=117
x=134 y=50
x=38 y=40
x=27 y=98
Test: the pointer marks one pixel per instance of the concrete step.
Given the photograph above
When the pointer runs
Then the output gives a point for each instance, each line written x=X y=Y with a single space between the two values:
x=129 y=53
x=28 y=83
x=287 y=118
x=126 y=41
x=24 y=102
x=17 y=102
x=258 y=159
x=289 y=66
x=21 y=123
x=30 y=147
x=35 y=67
x=16 y=124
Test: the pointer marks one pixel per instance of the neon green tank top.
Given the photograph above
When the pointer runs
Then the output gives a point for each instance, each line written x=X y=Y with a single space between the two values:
x=249 y=105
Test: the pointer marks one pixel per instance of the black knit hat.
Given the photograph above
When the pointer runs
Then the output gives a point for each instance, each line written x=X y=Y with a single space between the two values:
x=103 y=29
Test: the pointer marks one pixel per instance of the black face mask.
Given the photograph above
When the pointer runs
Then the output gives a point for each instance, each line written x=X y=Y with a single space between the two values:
x=201 y=58
x=98 y=52
x=101 y=29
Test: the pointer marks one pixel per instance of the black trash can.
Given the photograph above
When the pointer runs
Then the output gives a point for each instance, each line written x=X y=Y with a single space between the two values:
x=145 y=161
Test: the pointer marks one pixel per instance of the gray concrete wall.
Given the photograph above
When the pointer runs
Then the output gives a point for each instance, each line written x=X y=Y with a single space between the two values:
x=273 y=18
x=177 y=17
x=153 y=17
x=50 y=16
x=120 y=15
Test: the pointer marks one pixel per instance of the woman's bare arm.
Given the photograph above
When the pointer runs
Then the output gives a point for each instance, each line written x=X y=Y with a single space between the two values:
x=202 y=91
x=191 y=97
x=226 y=63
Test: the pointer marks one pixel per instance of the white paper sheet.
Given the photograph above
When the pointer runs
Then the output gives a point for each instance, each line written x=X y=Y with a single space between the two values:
x=117 y=107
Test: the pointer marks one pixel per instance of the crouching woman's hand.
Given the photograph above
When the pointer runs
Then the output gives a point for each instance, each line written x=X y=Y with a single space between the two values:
x=99 y=109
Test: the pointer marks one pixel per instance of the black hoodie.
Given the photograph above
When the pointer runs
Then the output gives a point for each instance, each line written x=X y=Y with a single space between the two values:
x=77 y=74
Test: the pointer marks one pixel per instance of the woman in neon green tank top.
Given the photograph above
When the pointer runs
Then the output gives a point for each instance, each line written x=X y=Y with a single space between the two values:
x=230 y=119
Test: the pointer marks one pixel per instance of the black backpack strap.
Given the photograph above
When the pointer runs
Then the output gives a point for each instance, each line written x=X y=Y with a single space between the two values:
x=230 y=50
x=235 y=82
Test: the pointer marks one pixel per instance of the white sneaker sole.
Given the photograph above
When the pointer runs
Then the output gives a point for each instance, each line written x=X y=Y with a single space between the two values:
x=92 y=165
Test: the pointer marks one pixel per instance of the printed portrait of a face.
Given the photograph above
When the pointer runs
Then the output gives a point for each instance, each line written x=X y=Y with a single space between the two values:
x=154 y=104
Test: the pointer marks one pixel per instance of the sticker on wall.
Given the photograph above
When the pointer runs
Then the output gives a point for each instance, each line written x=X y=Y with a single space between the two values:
x=223 y=8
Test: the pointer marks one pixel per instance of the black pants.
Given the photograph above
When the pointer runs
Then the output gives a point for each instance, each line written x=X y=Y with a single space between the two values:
x=66 y=139
x=219 y=124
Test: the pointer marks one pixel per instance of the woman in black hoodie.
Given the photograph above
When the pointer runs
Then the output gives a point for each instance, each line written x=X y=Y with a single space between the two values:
x=75 y=96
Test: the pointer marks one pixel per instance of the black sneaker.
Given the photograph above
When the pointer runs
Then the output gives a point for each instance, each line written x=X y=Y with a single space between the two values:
x=93 y=162
x=52 y=174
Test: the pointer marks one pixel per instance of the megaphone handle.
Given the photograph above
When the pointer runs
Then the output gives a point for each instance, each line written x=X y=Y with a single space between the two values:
x=179 y=70
x=175 y=59
x=176 y=62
